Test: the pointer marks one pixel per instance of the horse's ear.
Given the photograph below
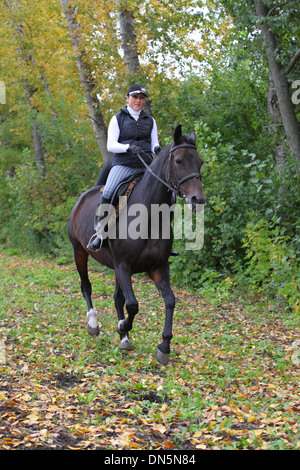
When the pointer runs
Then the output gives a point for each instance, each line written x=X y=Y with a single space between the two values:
x=193 y=136
x=177 y=135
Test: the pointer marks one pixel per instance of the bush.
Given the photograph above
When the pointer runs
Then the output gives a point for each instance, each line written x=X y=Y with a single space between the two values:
x=272 y=264
x=231 y=189
x=36 y=208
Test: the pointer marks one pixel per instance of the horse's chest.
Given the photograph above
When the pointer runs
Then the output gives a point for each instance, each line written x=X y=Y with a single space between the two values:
x=154 y=254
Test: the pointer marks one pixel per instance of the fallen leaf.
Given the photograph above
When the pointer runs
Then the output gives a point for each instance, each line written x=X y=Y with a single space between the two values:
x=168 y=444
x=159 y=428
x=246 y=409
x=32 y=419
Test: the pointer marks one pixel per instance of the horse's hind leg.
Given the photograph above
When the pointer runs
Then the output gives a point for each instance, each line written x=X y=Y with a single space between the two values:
x=162 y=281
x=81 y=258
x=119 y=304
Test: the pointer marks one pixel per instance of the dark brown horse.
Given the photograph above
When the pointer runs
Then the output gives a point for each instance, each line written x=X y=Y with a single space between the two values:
x=176 y=169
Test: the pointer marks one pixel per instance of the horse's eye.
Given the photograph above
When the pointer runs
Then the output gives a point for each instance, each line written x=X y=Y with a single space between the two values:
x=177 y=160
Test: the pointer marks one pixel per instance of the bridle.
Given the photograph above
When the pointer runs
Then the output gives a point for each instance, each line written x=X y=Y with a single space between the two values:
x=174 y=187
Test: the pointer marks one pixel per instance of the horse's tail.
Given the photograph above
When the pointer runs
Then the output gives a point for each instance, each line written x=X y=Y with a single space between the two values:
x=104 y=173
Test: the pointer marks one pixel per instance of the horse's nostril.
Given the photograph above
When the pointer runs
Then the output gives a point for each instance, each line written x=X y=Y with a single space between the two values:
x=200 y=199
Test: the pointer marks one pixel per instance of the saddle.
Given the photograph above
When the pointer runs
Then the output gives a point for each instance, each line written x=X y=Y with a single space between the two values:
x=124 y=188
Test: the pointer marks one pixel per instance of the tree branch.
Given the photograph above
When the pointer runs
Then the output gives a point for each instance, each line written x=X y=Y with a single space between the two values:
x=280 y=5
x=295 y=58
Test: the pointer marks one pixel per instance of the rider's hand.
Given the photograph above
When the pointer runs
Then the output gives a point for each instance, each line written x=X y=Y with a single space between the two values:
x=135 y=149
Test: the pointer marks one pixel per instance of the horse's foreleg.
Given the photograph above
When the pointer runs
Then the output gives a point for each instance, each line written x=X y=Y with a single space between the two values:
x=119 y=304
x=162 y=281
x=81 y=257
x=123 y=277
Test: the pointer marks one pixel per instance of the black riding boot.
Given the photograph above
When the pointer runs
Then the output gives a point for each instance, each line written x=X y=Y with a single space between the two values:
x=98 y=241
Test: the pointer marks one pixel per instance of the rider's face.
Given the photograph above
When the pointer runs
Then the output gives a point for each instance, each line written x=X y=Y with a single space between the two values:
x=136 y=102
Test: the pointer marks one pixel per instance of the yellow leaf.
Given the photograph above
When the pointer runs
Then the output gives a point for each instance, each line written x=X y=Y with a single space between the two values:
x=32 y=418
x=201 y=446
x=250 y=419
x=159 y=427
x=26 y=397
x=144 y=421
x=43 y=434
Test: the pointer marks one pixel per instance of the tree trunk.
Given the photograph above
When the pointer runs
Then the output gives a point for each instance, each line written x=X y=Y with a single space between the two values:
x=286 y=107
x=37 y=141
x=87 y=83
x=29 y=92
x=276 y=128
x=129 y=44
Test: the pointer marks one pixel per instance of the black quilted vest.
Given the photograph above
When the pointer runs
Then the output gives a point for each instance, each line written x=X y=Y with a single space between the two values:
x=134 y=132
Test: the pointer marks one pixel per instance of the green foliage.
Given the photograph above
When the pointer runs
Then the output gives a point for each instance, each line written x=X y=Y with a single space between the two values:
x=231 y=194
x=242 y=245
x=36 y=208
x=272 y=262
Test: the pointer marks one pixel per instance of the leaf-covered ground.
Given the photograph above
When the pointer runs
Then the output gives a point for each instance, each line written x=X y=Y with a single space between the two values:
x=232 y=382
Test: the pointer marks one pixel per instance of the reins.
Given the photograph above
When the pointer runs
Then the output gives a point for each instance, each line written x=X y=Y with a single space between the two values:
x=169 y=184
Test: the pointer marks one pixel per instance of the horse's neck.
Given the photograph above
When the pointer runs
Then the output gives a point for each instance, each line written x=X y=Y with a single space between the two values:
x=152 y=190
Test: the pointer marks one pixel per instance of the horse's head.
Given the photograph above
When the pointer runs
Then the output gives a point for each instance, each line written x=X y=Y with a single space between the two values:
x=183 y=169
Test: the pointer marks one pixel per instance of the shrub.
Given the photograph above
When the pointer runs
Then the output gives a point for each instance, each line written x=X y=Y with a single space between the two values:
x=272 y=264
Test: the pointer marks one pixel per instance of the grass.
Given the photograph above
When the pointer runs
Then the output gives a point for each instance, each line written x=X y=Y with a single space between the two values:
x=231 y=382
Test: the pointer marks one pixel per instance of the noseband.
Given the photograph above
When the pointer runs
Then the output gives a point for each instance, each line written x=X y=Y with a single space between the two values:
x=174 y=187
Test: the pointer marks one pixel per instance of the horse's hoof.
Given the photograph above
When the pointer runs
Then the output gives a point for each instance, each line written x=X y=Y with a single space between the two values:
x=162 y=358
x=93 y=331
x=125 y=344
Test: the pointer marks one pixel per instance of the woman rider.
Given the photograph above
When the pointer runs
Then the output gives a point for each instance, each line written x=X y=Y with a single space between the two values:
x=132 y=131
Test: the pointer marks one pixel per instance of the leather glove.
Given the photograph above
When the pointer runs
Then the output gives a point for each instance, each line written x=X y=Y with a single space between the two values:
x=135 y=149
x=157 y=150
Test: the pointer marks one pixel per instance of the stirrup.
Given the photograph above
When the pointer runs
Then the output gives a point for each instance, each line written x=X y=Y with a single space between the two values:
x=93 y=237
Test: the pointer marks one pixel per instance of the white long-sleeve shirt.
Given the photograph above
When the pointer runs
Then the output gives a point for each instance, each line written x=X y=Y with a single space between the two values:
x=113 y=134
